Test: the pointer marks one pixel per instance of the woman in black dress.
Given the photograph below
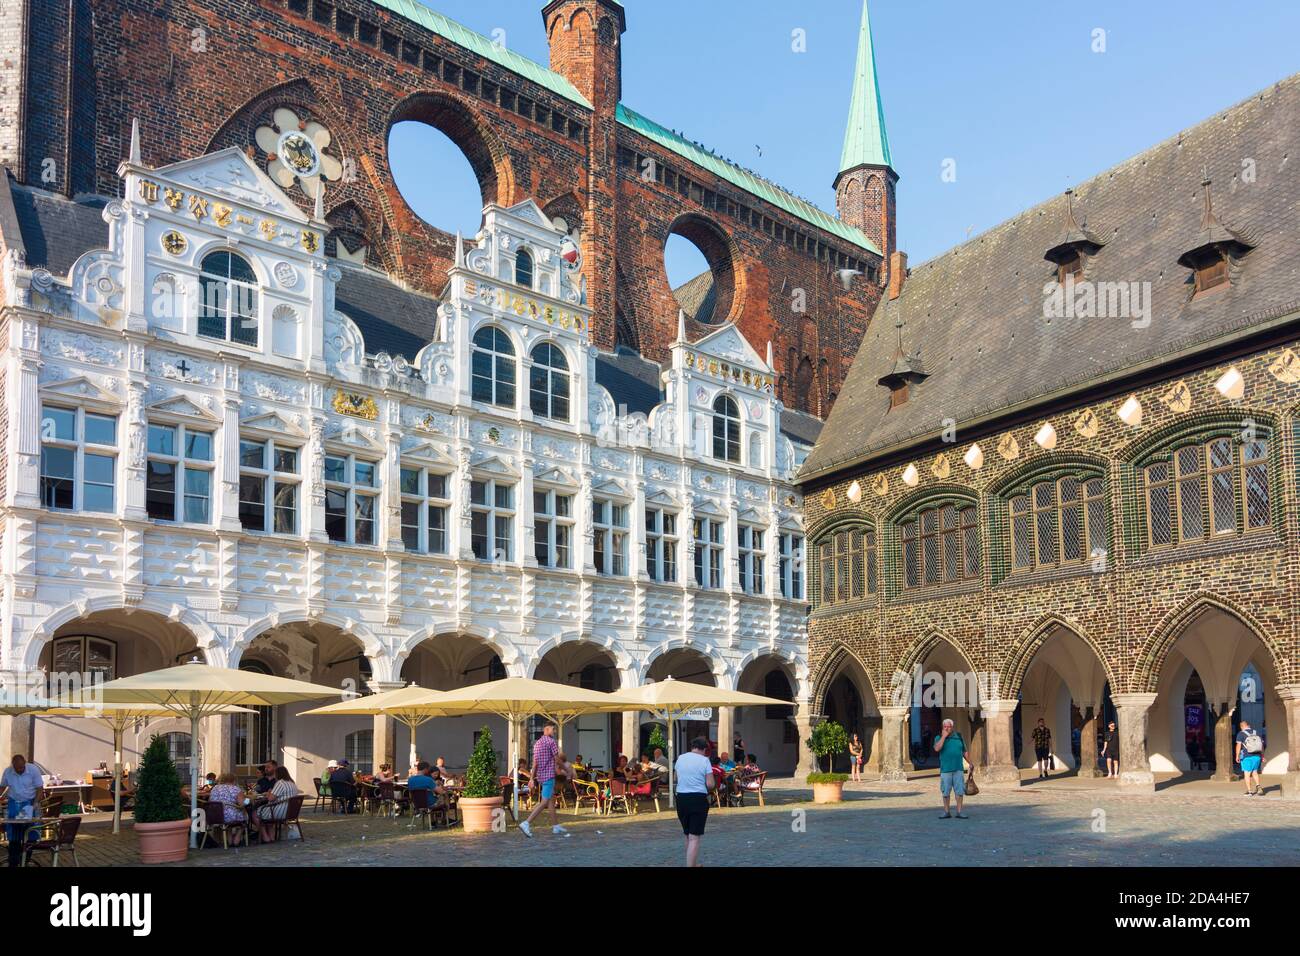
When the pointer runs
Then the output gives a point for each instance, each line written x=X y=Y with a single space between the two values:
x=1110 y=750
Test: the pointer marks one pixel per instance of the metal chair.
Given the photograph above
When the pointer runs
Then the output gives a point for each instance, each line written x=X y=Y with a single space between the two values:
x=61 y=837
x=618 y=796
x=753 y=783
x=321 y=796
x=422 y=806
x=586 y=792
x=215 y=822
x=292 y=817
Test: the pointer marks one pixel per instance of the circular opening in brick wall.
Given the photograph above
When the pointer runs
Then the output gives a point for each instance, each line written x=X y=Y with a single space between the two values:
x=697 y=262
x=435 y=177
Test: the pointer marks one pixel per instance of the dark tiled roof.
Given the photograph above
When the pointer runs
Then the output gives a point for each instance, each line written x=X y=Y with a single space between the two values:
x=800 y=426
x=391 y=319
x=56 y=231
x=697 y=297
x=631 y=380
x=975 y=315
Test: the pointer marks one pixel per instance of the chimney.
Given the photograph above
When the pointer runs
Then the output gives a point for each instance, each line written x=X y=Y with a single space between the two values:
x=897 y=273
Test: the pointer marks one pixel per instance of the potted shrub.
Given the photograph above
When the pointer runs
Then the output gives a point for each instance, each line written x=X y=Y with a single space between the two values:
x=162 y=818
x=482 y=794
x=828 y=739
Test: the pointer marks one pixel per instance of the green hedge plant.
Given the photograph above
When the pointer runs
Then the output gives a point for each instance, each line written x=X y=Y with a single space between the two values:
x=481 y=779
x=158 y=787
x=827 y=778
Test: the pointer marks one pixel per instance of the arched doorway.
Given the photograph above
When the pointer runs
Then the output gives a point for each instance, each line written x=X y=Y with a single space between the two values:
x=447 y=662
x=769 y=732
x=102 y=646
x=850 y=701
x=1065 y=687
x=1215 y=671
x=690 y=665
x=949 y=688
x=597 y=737
x=313 y=651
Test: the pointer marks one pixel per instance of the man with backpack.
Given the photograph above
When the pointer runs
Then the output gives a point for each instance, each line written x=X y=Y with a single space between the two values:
x=952 y=767
x=1250 y=754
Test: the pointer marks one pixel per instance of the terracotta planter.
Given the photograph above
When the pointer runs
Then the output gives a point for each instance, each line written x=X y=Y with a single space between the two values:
x=163 y=842
x=476 y=812
x=828 y=792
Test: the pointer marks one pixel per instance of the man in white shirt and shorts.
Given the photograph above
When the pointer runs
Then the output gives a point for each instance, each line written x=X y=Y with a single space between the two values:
x=693 y=774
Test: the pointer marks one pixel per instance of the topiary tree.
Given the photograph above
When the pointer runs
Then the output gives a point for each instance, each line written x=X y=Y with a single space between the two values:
x=481 y=778
x=158 y=787
x=828 y=739
x=657 y=739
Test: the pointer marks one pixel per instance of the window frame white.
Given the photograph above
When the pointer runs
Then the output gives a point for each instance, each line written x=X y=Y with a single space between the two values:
x=354 y=493
x=661 y=544
x=710 y=552
x=751 y=557
x=610 y=538
x=272 y=479
x=791 y=568
x=183 y=466
x=80 y=448
x=494 y=514
x=551 y=525
x=427 y=503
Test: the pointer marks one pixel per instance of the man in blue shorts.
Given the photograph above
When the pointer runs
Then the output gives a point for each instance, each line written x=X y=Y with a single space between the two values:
x=545 y=752
x=1250 y=754
x=952 y=771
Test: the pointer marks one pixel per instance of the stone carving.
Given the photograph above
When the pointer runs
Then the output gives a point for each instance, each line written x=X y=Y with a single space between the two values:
x=80 y=347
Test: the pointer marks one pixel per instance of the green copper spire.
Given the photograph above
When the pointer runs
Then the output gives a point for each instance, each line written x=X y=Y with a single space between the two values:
x=865 y=140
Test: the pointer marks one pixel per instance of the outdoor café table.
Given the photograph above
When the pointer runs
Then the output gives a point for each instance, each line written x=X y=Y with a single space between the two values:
x=80 y=787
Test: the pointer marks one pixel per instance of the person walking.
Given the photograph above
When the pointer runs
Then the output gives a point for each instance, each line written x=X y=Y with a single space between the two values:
x=546 y=754
x=1250 y=754
x=1042 y=748
x=855 y=757
x=695 y=778
x=952 y=768
x=1110 y=750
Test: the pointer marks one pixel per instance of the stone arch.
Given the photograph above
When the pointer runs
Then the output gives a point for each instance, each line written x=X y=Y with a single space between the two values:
x=795 y=668
x=207 y=640
x=380 y=660
x=722 y=674
x=922 y=648
x=502 y=646
x=1042 y=466
x=473 y=136
x=720 y=253
x=1022 y=652
x=1194 y=423
x=947 y=491
x=840 y=660
x=627 y=667
x=1151 y=657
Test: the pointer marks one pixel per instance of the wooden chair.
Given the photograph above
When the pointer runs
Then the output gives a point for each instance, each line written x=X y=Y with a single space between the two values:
x=321 y=796
x=618 y=796
x=215 y=822
x=586 y=792
x=292 y=817
x=422 y=807
x=56 y=837
x=753 y=783
x=383 y=800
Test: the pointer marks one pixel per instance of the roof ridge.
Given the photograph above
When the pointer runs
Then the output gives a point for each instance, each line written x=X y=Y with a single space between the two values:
x=1174 y=138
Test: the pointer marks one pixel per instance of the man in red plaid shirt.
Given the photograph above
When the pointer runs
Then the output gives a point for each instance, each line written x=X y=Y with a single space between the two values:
x=544 y=753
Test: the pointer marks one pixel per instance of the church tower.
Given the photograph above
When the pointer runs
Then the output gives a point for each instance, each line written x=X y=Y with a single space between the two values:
x=864 y=188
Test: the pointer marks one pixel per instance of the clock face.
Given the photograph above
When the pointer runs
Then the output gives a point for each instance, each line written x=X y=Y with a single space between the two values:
x=298 y=153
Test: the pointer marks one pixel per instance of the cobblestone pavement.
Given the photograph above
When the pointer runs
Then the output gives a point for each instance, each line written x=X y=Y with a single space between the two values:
x=878 y=825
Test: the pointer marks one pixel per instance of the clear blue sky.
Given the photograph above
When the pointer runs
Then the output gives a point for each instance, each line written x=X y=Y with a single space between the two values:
x=1012 y=91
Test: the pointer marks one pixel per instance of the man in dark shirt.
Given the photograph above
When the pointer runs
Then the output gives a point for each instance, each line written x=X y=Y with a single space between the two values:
x=267 y=780
x=1042 y=747
x=343 y=786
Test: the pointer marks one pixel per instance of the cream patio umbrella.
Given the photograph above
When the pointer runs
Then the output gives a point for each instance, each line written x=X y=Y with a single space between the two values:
x=517 y=698
x=670 y=700
x=116 y=717
x=411 y=705
x=196 y=690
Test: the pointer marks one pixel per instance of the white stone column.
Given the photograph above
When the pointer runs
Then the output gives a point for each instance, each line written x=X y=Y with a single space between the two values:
x=726 y=729
x=1133 y=711
x=1290 y=696
x=1000 y=764
x=893 y=736
x=385 y=731
x=631 y=736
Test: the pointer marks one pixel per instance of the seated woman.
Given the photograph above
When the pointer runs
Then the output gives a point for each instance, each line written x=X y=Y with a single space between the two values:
x=748 y=773
x=278 y=805
x=228 y=793
x=384 y=774
x=620 y=767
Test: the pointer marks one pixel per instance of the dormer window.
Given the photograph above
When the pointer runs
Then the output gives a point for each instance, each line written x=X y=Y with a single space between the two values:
x=524 y=268
x=1073 y=246
x=1213 y=250
x=899 y=394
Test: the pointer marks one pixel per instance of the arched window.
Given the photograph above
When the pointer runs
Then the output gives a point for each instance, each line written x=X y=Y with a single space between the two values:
x=847 y=566
x=548 y=383
x=1058 y=522
x=228 y=308
x=1207 y=490
x=940 y=545
x=524 y=268
x=493 y=368
x=726 y=429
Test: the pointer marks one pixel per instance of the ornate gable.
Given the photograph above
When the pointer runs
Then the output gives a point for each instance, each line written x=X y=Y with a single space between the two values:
x=231 y=175
x=181 y=406
x=80 y=389
x=729 y=345
x=272 y=422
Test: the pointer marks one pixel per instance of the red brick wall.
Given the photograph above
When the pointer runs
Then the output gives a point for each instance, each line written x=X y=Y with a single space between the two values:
x=357 y=69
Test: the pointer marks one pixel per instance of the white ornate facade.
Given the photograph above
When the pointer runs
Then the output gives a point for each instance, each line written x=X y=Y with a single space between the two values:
x=410 y=512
